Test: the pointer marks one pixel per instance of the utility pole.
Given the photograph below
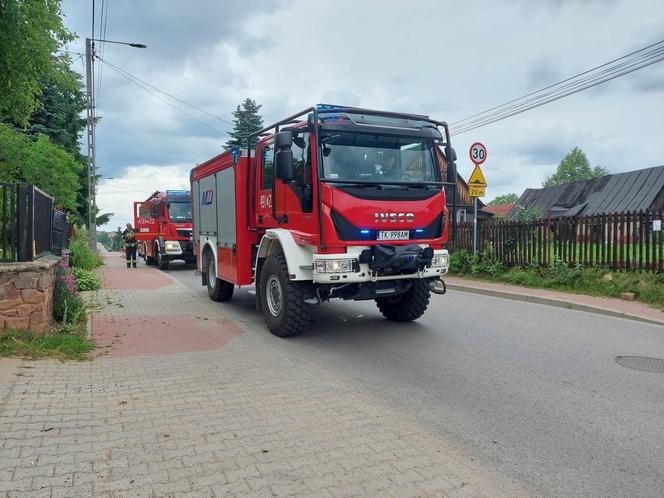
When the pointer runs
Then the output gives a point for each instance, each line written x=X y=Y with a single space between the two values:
x=92 y=187
x=92 y=122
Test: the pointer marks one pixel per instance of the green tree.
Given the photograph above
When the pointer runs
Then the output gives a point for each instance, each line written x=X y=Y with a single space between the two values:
x=246 y=120
x=31 y=32
x=61 y=104
x=40 y=163
x=574 y=166
x=504 y=199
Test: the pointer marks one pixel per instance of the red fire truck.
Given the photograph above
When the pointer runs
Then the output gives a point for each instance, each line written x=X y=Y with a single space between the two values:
x=332 y=202
x=163 y=228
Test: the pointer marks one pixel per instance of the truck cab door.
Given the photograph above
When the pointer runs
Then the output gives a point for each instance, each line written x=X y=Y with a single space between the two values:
x=294 y=199
x=264 y=184
x=145 y=223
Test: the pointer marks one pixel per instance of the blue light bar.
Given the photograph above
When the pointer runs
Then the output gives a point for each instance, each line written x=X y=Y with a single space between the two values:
x=364 y=232
x=234 y=151
x=327 y=107
x=419 y=230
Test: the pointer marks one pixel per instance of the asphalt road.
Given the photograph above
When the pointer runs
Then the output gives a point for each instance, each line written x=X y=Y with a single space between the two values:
x=532 y=393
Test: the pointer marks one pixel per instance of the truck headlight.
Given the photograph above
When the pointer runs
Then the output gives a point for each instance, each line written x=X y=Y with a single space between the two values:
x=440 y=260
x=172 y=246
x=334 y=265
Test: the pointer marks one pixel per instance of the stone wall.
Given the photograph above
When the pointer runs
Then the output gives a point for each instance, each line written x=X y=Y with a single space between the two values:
x=26 y=294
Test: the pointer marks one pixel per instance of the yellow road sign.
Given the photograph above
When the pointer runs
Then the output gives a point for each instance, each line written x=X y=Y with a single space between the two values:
x=477 y=178
x=476 y=191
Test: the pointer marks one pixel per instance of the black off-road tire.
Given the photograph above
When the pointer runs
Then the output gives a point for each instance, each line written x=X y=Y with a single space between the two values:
x=408 y=306
x=149 y=260
x=219 y=290
x=164 y=264
x=294 y=314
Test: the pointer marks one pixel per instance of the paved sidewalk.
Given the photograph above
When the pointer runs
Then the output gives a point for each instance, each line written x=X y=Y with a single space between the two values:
x=602 y=305
x=191 y=404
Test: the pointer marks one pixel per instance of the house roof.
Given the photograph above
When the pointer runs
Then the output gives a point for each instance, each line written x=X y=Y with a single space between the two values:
x=618 y=193
x=499 y=210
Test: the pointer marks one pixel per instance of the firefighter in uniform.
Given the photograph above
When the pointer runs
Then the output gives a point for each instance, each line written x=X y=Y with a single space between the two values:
x=131 y=245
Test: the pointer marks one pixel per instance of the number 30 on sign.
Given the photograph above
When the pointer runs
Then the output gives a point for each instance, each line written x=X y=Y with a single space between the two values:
x=476 y=191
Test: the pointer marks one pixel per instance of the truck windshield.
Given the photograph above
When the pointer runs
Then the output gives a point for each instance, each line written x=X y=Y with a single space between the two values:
x=179 y=212
x=379 y=158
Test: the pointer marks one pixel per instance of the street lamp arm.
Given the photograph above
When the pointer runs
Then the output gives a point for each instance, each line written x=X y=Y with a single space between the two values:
x=135 y=45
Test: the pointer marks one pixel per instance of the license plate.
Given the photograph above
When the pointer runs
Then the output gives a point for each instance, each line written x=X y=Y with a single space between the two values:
x=393 y=235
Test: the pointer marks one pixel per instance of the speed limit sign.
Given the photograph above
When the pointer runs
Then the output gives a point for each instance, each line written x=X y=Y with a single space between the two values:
x=477 y=153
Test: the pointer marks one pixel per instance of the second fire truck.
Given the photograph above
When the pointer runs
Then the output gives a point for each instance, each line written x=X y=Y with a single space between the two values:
x=163 y=228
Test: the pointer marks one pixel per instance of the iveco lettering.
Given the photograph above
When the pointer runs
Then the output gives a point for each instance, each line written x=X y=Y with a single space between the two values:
x=332 y=202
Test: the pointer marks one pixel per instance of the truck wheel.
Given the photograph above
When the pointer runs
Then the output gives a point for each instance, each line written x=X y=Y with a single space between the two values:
x=408 y=306
x=219 y=290
x=164 y=264
x=282 y=301
x=149 y=260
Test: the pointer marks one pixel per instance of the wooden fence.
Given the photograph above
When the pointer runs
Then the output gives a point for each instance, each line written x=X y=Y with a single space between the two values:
x=626 y=241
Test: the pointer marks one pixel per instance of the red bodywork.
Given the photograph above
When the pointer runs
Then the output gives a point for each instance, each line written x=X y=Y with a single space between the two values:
x=235 y=264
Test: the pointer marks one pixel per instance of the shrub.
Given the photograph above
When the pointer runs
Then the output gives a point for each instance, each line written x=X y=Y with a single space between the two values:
x=68 y=306
x=563 y=273
x=86 y=280
x=486 y=263
x=460 y=261
x=82 y=256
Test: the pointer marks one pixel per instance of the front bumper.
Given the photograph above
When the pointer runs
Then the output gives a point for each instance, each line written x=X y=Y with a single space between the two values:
x=182 y=248
x=356 y=271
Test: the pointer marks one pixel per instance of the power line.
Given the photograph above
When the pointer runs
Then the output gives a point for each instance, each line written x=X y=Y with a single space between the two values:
x=131 y=78
x=571 y=87
x=556 y=95
x=169 y=95
x=621 y=66
x=103 y=21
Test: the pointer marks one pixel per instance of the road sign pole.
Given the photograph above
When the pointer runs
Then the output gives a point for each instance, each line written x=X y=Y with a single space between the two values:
x=475 y=227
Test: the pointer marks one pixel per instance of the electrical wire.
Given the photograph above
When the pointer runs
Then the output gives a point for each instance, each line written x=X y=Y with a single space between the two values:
x=550 y=98
x=102 y=36
x=621 y=66
x=168 y=94
x=615 y=70
x=131 y=78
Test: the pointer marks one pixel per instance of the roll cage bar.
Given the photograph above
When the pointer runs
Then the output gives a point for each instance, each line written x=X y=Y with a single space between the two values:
x=316 y=111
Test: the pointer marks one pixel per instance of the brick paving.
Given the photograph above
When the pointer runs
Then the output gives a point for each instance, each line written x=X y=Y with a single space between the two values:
x=208 y=416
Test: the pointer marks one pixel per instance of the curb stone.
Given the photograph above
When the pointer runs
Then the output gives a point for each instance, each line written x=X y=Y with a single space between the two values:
x=548 y=301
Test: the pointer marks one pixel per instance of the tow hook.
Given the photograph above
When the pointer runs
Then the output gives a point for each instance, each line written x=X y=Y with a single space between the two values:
x=316 y=299
x=438 y=286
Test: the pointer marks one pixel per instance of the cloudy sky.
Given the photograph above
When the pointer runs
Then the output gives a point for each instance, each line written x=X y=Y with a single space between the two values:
x=442 y=58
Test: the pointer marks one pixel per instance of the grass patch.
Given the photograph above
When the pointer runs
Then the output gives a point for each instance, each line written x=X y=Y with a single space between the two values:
x=68 y=343
x=647 y=287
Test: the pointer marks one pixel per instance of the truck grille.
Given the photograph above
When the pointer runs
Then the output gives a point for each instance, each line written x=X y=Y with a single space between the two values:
x=184 y=232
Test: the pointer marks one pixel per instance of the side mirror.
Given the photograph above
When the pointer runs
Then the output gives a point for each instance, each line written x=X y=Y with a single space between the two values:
x=451 y=154
x=283 y=139
x=284 y=165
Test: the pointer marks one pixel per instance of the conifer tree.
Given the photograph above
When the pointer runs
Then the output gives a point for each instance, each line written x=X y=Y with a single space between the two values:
x=246 y=120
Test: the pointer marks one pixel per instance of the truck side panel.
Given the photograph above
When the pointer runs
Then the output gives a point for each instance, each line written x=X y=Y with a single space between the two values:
x=207 y=201
x=226 y=212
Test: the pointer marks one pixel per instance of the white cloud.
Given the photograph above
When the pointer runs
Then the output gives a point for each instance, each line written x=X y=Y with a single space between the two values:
x=136 y=183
